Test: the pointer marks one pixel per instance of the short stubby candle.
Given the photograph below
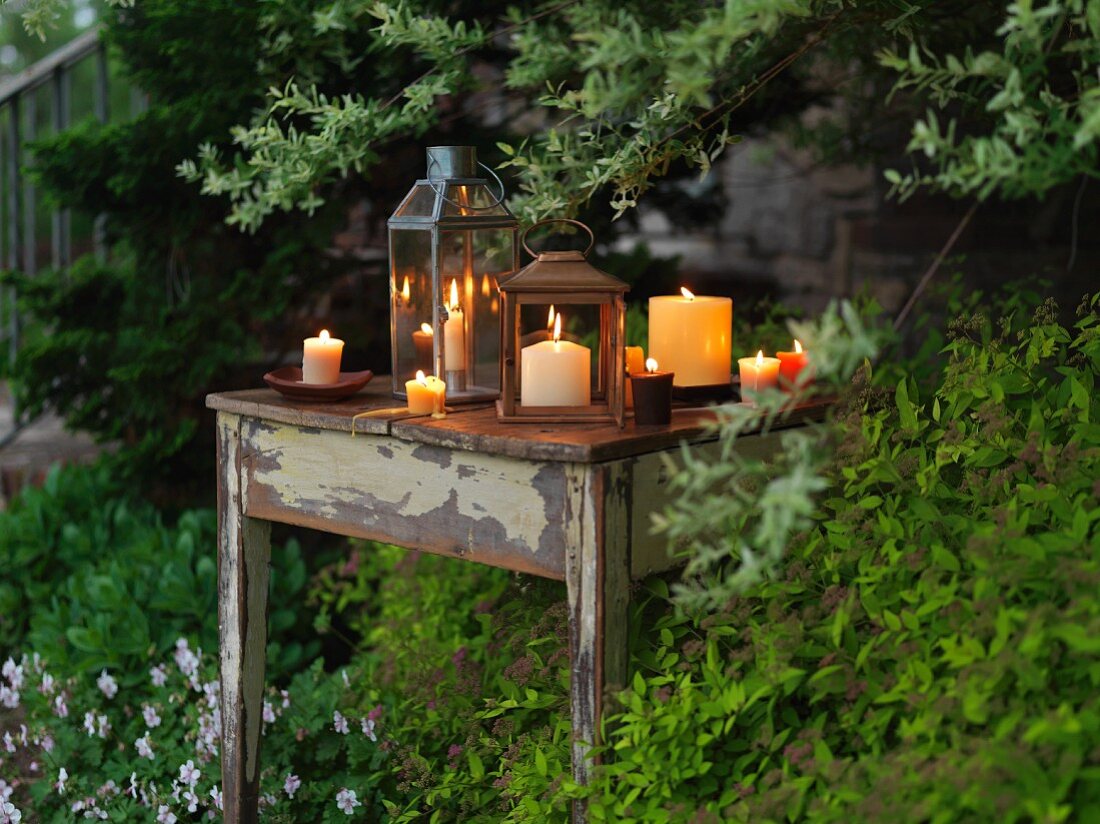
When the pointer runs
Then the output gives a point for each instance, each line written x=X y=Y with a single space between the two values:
x=635 y=363
x=691 y=336
x=758 y=373
x=321 y=359
x=427 y=395
x=555 y=372
x=652 y=395
x=791 y=366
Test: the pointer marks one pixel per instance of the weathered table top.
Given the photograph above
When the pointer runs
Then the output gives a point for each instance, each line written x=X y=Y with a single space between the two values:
x=475 y=428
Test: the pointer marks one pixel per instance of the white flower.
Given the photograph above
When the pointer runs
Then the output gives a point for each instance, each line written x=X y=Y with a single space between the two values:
x=9 y=745
x=190 y=774
x=216 y=794
x=158 y=675
x=62 y=777
x=344 y=675
x=133 y=790
x=47 y=743
x=164 y=815
x=269 y=713
x=60 y=708
x=286 y=698
x=103 y=726
x=368 y=729
x=291 y=784
x=89 y=723
x=346 y=801
x=9 y=697
x=144 y=748
x=13 y=672
x=5 y=790
x=47 y=685
x=339 y=723
x=149 y=713
x=192 y=801
x=186 y=660
x=8 y=813
x=107 y=684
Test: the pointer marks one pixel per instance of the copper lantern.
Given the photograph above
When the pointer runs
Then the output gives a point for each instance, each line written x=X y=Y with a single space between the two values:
x=451 y=241
x=562 y=336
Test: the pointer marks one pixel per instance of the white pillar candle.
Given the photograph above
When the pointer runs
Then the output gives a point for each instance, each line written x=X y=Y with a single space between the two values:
x=555 y=372
x=321 y=359
x=454 y=334
x=758 y=373
x=691 y=336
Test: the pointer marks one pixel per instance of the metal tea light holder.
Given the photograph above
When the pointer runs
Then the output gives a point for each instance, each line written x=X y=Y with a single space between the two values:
x=452 y=240
x=564 y=285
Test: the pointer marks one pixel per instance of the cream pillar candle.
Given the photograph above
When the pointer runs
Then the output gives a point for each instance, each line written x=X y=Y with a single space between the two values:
x=454 y=333
x=321 y=359
x=691 y=336
x=555 y=372
x=758 y=373
x=426 y=395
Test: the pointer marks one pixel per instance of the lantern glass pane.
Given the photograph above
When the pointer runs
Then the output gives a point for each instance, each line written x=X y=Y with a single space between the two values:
x=481 y=200
x=474 y=260
x=580 y=325
x=410 y=303
x=419 y=202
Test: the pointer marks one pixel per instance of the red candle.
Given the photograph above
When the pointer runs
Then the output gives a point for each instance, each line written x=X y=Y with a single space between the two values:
x=791 y=365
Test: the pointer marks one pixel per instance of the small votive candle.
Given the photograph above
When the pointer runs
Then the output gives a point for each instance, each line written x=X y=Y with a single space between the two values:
x=321 y=359
x=635 y=364
x=652 y=395
x=427 y=395
x=758 y=373
x=791 y=367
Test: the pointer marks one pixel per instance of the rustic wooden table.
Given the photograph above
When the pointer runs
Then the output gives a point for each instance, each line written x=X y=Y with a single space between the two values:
x=569 y=502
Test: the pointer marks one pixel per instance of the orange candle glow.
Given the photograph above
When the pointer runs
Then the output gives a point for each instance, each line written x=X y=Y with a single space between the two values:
x=792 y=365
x=691 y=336
x=758 y=373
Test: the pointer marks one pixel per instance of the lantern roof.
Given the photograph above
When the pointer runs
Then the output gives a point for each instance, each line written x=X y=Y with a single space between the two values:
x=567 y=271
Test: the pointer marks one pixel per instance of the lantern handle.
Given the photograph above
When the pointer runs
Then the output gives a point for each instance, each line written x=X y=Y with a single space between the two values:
x=591 y=236
x=497 y=199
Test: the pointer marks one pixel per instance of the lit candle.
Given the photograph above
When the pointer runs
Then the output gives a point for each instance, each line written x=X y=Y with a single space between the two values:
x=427 y=395
x=556 y=372
x=422 y=341
x=635 y=363
x=758 y=373
x=691 y=335
x=454 y=333
x=406 y=292
x=653 y=395
x=791 y=364
x=321 y=359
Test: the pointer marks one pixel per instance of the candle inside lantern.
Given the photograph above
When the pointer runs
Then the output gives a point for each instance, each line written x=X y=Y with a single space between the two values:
x=406 y=292
x=422 y=342
x=427 y=395
x=691 y=335
x=758 y=373
x=556 y=372
x=635 y=363
x=454 y=333
x=652 y=395
x=791 y=365
x=321 y=359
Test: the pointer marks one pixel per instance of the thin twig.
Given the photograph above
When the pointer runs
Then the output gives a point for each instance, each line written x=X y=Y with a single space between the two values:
x=1074 y=224
x=931 y=271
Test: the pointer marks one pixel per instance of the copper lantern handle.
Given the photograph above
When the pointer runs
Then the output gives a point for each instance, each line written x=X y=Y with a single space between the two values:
x=591 y=236
x=498 y=199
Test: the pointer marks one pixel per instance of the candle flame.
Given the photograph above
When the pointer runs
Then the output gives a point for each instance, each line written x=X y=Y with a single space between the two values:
x=797 y=345
x=426 y=328
x=420 y=377
x=454 y=295
x=550 y=318
x=406 y=292
x=324 y=336
x=557 y=328
x=759 y=358
x=687 y=293
x=485 y=285
x=650 y=364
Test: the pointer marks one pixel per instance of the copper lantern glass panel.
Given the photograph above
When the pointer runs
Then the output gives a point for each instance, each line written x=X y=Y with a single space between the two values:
x=562 y=328
x=452 y=241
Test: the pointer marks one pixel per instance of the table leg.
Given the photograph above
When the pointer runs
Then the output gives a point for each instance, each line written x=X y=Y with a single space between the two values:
x=244 y=555
x=597 y=574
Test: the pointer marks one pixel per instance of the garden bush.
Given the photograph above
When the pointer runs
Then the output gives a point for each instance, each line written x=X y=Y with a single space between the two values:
x=926 y=652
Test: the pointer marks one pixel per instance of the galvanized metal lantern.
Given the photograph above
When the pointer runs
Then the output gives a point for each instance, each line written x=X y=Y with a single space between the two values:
x=562 y=331
x=451 y=242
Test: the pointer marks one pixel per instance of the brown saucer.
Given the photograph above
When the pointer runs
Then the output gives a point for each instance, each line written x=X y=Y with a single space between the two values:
x=287 y=380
